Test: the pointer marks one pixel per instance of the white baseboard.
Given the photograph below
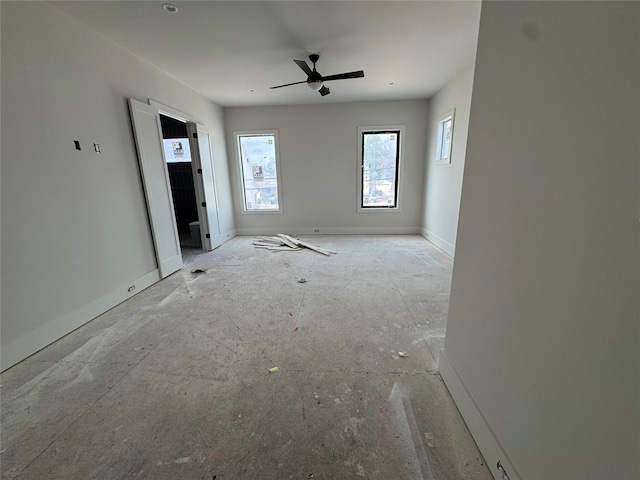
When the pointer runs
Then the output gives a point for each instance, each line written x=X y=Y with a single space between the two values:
x=222 y=238
x=26 y=345
x=439 y=242
x=29 y=343
x=481 y=431
x=330 y=231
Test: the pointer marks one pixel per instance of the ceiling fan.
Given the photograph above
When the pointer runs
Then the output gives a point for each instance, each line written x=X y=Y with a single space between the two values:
x=315 y=80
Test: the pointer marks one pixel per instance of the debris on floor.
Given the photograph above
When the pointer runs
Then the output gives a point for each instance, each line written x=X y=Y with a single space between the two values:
x=403 y=354
x=198 y=270
x=302 y=280
x=282 y=242
x=429 y=438
x=274 y=370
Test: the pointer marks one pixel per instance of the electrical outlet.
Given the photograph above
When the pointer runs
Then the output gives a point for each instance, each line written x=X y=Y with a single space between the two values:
x=131 y=288
x=317 y=230
x=502 y=471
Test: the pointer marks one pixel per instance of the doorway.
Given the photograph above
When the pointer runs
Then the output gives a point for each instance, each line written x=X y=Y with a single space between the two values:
x=150 y=144
x=179 y=160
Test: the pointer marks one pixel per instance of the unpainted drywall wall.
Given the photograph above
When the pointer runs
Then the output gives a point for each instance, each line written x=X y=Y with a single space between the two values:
x=75 y=230
x=544 y=315
x=318 y=155
x=443 y=182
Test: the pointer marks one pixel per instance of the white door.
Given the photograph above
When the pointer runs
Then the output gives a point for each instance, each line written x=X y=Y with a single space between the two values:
x=157 y=189
x=202 y=162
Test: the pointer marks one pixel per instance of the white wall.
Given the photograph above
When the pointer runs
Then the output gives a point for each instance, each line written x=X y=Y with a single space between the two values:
x=318 y=164
x=75 y=229
x=542 y=347
x=443 y=183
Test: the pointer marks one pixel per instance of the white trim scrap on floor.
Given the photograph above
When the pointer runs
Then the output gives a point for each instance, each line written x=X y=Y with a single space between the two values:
x=282 y=242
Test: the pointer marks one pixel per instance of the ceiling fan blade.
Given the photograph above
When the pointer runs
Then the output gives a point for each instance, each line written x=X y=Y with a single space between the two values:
x=344 y=76
x=288 y=84
x=324 y=91
x=305 y=68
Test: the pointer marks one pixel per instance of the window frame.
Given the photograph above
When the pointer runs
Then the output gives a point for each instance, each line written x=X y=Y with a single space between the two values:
x=449 y=116
x=362 y=130
x=263 y=132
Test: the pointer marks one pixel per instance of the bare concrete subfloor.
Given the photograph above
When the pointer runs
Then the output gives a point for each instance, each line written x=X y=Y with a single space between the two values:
x=175 y=384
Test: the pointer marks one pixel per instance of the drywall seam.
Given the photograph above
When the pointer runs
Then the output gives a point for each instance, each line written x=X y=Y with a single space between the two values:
x=482 y=434
x=29 y=343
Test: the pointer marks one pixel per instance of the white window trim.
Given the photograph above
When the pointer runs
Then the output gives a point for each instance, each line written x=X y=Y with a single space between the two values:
x=243 y=203
x=441 y=121
x=377 y=128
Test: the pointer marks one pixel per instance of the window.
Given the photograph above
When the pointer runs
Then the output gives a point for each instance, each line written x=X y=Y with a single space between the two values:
x=444 y=138
x=257 y=153
x=378 y=175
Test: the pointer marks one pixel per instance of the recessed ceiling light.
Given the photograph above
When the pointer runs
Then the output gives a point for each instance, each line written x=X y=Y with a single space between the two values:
x=170 y=7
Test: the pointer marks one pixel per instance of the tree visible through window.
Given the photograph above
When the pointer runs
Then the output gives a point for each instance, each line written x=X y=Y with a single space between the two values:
x=380 y=160
x=257 y=153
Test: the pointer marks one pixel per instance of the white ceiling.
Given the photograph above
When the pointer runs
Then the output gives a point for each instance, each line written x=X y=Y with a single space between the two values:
x=224 y=49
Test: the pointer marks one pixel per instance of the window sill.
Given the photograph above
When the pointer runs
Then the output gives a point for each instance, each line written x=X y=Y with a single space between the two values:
x=379 y=210
x=261 y=212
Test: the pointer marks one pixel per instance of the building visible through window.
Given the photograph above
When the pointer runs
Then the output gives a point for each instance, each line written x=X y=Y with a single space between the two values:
x=379 y=169
x=257 y=153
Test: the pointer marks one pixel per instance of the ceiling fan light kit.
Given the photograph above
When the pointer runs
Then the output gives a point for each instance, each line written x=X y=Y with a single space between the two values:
x=315 y=81
x=170 y=8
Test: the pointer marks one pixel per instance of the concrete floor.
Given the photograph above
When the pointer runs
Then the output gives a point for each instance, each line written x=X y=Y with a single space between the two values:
x=175 y=384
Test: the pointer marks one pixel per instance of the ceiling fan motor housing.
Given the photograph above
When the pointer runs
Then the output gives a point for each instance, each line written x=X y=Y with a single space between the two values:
x=315 y=80
x=314 y=76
